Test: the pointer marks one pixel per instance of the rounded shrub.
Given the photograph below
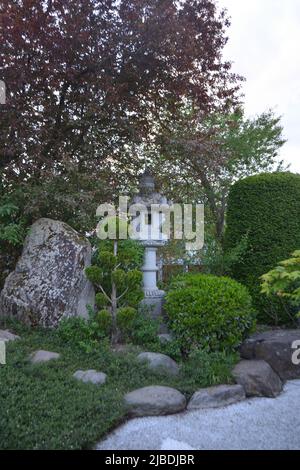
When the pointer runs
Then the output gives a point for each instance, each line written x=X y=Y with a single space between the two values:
x=266 y=209
x=209 y=312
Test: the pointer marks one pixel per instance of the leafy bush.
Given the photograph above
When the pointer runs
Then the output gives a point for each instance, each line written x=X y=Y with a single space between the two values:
x=209 y=312
x=78 y=332
x=144 y=329
x=284 y=281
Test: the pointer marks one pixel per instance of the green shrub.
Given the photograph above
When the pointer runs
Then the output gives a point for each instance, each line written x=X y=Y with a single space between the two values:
x=144 y=329
x=79 y=332
x=209 y=312
x=171 y=348
x=266 y=208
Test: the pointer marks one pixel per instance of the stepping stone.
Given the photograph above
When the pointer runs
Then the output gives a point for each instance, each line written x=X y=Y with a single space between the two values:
x=165 y=338
x=216 y=397
x=154 y=401
x=159 y=362
x=257 y=378
x=6 y=335
x=276 y=348
x=43 y=356
x=90 y=376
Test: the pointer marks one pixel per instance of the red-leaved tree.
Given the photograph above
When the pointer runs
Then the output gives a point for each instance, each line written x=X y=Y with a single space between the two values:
x=85 y=78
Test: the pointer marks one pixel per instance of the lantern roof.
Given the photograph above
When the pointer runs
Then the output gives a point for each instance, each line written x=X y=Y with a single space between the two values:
x=147 y=194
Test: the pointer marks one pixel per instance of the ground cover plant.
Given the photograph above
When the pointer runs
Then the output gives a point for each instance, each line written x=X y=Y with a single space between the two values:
x=43 y=407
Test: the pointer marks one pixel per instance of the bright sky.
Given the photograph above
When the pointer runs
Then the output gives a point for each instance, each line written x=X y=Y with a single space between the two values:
x=264 y=44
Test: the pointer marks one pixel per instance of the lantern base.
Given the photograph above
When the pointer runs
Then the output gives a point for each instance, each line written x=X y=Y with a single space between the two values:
x=154 y=299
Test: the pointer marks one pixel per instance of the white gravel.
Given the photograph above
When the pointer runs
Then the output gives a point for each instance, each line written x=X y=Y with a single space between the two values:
x=254 y=424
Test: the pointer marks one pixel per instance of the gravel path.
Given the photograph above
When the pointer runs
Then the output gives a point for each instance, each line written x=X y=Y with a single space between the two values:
x=257 y=423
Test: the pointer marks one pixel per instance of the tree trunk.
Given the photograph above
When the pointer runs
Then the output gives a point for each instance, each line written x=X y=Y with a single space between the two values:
x=114 y=336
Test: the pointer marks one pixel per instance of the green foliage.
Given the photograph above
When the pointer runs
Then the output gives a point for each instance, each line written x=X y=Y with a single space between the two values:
x=63 y=413
x=209 y=312
x=267 y=208
x=209 y=367
x=71 y=198
x=12 y=230
x=171 y=348
x=213 y=258
x=126 y=317
x=104 y=322
x=101 y=300
x=284 y=280
x=120 y=278
x=145 y=328
x=120 y=269
x=107 y=260
x=78 y=332
x=94 y=274
x=12 y=234
x=117 y=280
x=232 y=147
x=130 y=252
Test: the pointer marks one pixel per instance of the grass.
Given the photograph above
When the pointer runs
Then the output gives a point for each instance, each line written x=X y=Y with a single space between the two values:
x=43 y=407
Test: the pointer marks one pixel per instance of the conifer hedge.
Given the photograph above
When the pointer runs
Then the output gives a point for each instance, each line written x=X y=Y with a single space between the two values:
x=266 y=207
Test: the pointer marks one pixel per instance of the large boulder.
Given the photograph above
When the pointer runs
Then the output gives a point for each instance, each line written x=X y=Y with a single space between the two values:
x=49 y=281
x=159 y=363
x=154 y=400
x=216 y=397
x=276 y=348
x=257 y=378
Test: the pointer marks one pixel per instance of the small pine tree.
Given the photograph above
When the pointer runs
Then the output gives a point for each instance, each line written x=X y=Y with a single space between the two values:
x=117 y=278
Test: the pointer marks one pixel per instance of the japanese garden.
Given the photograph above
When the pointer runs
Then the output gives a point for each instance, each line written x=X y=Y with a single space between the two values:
x=135 y=99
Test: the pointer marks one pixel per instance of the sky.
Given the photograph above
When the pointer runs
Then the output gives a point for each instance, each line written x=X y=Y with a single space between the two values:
x=264 y=46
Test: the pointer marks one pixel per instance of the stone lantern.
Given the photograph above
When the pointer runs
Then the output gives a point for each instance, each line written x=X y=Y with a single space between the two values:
x=152 y=237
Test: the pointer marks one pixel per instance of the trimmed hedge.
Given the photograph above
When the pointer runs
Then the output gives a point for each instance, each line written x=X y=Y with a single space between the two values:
x=266 y=207
x=209 y=312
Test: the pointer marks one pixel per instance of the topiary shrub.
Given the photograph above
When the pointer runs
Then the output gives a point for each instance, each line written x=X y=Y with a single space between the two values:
x=266 y=209
x=115 y=276
x=209 y=312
